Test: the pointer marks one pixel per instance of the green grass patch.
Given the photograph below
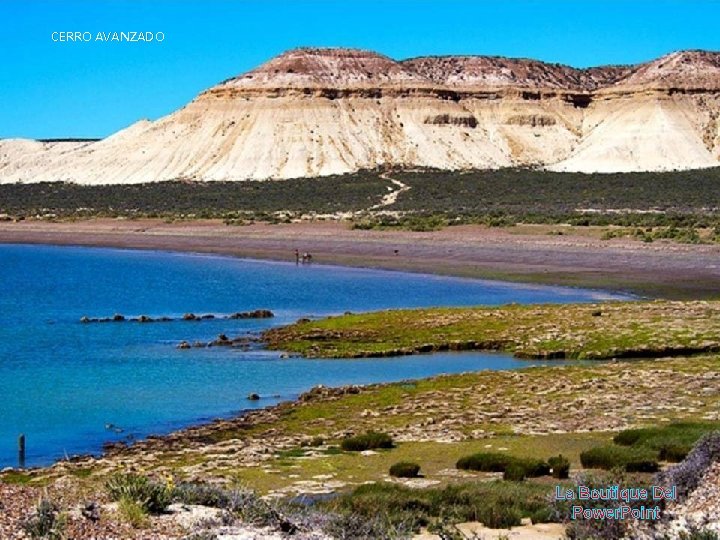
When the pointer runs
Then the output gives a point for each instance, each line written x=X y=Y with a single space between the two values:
x=436 y=460
x=583 y=331
x=292 y=453
x=16 y=477
x=672 y=442
x=133 y=513
x=81 y=472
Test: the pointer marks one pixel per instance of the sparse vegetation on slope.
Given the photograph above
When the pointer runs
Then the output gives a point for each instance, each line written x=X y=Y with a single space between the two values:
x=682 y=206
x=546 y=196
x=232 y=201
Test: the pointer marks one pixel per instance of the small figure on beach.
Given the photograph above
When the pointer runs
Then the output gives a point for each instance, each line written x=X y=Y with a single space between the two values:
x=306 y=258
x=297 y=257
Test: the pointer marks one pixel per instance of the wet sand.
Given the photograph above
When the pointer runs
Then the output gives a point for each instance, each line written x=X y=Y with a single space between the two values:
x=657 y=269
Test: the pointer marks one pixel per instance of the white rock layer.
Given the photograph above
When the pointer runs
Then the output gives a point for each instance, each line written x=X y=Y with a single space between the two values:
x=314 y=112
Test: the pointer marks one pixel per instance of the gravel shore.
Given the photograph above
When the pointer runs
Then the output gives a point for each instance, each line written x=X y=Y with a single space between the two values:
x=657 y=269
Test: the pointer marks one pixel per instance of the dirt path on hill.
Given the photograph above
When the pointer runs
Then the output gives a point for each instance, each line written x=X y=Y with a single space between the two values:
x=391 y=197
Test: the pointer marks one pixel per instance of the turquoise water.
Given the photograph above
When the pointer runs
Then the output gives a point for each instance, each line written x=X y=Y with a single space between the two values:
x=62 y=382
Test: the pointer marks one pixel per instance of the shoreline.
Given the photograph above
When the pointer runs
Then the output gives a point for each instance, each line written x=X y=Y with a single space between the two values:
x=487 y=254
x=665 y=270
x=257 y=437
x=206 y=426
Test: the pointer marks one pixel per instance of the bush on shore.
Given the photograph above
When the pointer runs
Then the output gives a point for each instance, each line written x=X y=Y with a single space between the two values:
x=46 y=522
x=497 y=462
x=367 y=441
x=613 y=456
x=153 y=497
x=560 y=466
x=405 y=469
x=514 y=473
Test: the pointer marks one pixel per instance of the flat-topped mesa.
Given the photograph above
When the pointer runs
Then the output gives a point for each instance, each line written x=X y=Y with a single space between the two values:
x=340 y=71
x=682 y=70
x=318 y=112
x=337 y=72
x=336 y=67
x=343 y=69
x=500 y=72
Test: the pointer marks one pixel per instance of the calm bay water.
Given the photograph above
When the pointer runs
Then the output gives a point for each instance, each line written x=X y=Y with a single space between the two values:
x=62 y=382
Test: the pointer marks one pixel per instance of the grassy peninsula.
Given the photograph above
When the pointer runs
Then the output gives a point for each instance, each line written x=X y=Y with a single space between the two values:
x=583 y=331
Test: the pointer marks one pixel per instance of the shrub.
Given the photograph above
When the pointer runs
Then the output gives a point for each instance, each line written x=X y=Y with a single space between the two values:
x=628 y=459
x=252 y=509
x=485 y=461
x=351 y=526
x=314 y=442
x=367 y=441
x=534 y=467
x=317 y=441
x=202 y=535
x=642 y=465
x=699 y=534
x=629 y=437
x=202 y=494
x=152 y=496
x=560 y=466
x=46 y=522
x=133 y=513
x=497 y=462
x=514 y=473
x=405 y=469
x=500 y=516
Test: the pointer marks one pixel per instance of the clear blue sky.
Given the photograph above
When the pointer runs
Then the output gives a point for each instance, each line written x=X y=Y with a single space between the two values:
x=92 y=89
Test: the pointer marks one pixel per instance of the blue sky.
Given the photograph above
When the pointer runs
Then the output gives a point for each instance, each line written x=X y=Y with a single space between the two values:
x=92 y=89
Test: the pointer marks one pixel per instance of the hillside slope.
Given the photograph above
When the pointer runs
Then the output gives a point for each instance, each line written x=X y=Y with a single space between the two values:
x=312 y=112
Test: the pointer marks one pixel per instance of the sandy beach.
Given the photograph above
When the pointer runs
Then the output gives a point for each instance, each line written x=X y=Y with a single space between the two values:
x=657 y=269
